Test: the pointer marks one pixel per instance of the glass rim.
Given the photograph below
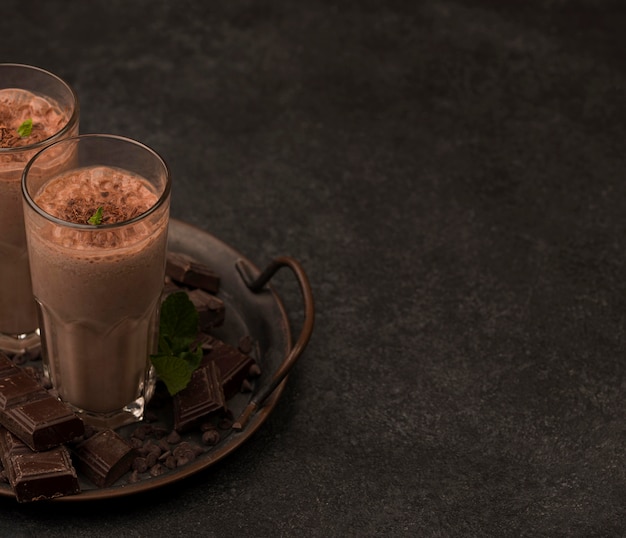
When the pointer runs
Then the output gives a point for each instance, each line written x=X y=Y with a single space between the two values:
x=71 y=122
x=163 y=197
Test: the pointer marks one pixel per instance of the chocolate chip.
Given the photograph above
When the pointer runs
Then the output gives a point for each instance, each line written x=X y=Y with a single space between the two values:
x=211 y=437
x=151 y=459
x=181 y=461
x=246 y=386
x=141 y=432
x=163 y=445
x=157 y=470
x=188 y=450
x=152 y=448
x=140 y=465
x=245 y=345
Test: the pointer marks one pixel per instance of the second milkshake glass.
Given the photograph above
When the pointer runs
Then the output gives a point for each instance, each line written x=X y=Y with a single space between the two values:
x=97 y=239
x=27 y=93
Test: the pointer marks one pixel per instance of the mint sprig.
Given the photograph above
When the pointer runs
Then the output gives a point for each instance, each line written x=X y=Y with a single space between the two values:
x=178 y=354
x=96 y=218
x=25 y=128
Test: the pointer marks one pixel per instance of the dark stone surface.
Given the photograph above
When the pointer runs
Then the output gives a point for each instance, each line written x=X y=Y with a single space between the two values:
x=451 y=175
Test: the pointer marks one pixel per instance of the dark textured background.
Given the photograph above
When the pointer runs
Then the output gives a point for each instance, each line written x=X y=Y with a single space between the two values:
x=451 y=174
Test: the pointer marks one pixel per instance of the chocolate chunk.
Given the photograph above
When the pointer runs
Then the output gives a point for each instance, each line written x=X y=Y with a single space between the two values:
x=42 y=423
x=15 y=387
x=36 y=476
x=211 y=309
x=245 y=345
x=104 y=457
x=235 y=367
x=31 y=413
x=202 y=396
x=185 y=270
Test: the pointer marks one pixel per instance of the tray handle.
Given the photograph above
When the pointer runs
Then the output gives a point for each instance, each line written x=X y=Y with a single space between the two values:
x=256 y=285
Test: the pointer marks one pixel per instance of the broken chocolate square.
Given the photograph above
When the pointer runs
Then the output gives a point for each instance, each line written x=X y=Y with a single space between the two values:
x=31 y=413
x=15 y=387
x=201 y=397
x=104 y=457
x=211 y=309
x=236 y=368
x=34 y=475
x=188 y=271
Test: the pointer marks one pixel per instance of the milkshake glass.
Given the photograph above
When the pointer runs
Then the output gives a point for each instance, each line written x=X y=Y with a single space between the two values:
x=26 y=93
x=98 y=286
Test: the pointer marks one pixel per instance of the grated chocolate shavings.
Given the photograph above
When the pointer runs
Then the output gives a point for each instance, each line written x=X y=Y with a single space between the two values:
x=9 y=137
x=79 y=211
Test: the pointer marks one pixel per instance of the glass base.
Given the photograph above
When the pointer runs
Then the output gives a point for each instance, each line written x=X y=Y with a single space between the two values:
x=21 y=344
x=133 y=412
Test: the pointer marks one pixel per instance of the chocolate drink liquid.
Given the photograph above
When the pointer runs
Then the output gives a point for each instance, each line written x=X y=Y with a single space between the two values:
x=98 y=287
x=18 y=313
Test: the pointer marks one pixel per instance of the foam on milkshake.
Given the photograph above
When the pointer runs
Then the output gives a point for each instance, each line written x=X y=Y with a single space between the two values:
x=17 y=106
x=75 y=196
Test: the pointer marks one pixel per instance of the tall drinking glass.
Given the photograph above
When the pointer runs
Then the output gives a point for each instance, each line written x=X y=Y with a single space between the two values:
x=97 y=238
x=28 y=96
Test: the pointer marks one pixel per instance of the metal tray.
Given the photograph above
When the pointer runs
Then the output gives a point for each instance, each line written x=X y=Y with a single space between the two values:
x=252 y=309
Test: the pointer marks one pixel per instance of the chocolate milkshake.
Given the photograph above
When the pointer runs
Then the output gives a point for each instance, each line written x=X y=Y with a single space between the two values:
x=98 y=286
x=26 y=94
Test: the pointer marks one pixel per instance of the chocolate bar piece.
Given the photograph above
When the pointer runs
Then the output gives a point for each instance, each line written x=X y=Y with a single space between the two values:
x=211 y=309
x=187 y=271
x=36 y=476
x=16 y=386
x=201 y=397
x=104 y=457
x=31 y=413
x=236 y=368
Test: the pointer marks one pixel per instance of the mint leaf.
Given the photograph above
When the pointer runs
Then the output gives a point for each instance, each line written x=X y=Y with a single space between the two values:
x=176 y=361
x=25 y=128
x=96 y=218
x=178 y=326
x=175 y=371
